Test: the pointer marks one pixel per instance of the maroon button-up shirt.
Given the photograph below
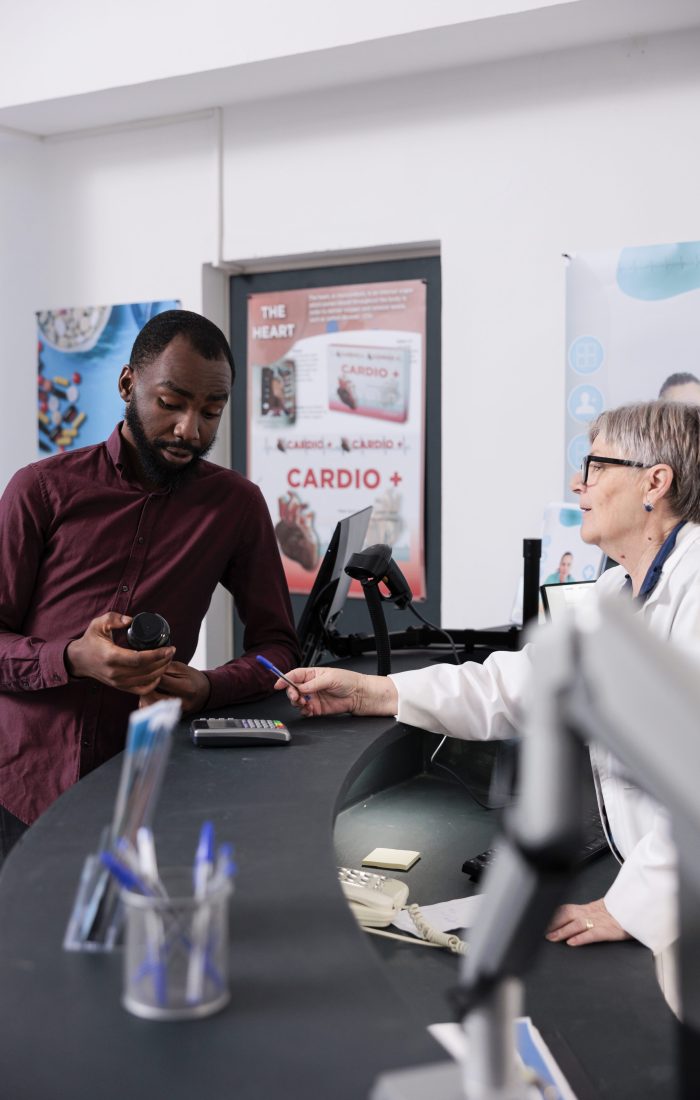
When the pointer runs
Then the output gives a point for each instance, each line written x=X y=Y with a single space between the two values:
x=79 y=536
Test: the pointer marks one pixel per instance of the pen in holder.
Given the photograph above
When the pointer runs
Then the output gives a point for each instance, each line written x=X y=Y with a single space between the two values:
x=96 y=919
x=176 y=956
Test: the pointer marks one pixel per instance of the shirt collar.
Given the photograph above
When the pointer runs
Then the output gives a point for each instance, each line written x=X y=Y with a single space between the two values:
x=656 y=568
x=115 y=448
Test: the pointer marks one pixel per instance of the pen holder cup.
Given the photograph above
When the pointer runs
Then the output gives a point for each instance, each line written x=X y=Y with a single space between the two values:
x=176 y=950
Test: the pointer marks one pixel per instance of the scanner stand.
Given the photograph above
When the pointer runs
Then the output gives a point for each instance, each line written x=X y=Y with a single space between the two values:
x=470 y=641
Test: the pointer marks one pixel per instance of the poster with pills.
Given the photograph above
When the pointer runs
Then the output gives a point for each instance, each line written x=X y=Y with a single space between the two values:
x=81 y=351
x=336 y=415
x=633 y=333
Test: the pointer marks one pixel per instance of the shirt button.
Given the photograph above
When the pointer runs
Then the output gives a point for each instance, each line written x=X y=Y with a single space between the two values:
x=56 y=677
x=24 y=683
x=140 y=538
x=125 y=588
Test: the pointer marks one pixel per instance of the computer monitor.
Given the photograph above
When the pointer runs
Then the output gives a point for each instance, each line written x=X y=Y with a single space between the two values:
x=560 y=598
x=330 y=588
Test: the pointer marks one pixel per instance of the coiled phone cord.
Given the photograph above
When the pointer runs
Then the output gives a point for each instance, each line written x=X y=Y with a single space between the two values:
x=430 y=937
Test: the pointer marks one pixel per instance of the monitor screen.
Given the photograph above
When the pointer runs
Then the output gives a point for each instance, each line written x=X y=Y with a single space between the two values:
x=559 y=598
x=330 y=588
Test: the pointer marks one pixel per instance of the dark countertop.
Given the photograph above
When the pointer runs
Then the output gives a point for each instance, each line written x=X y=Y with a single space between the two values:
x=318 y=1009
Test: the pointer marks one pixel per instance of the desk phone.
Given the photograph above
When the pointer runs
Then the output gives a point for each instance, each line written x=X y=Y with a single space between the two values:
x=374 y=899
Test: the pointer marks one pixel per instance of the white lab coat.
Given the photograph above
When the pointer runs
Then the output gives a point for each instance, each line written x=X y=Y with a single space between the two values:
x=481 y=702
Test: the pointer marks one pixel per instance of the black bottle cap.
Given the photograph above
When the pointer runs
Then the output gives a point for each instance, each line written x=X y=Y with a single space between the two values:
x=148 y=631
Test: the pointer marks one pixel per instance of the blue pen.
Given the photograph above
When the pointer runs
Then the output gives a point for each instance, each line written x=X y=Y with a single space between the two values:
x=201 y=921
x=224 y=869
x=273 y=668
x=124 y=875
x=203 y=860
x=155 y=962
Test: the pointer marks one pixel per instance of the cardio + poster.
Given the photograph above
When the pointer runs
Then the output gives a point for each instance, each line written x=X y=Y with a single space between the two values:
x=336 y=400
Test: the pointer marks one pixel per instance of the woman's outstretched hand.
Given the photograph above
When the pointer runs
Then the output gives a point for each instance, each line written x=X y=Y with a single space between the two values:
x=324 y=691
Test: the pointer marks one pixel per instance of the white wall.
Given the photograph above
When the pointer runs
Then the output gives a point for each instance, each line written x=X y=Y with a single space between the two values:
x=21 y=276
x=508 y=165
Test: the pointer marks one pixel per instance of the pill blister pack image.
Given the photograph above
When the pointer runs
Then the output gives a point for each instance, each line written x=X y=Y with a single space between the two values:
x=60 y=417
x=80 y=354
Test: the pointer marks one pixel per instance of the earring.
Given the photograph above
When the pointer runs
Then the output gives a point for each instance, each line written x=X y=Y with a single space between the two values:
x=648 y=507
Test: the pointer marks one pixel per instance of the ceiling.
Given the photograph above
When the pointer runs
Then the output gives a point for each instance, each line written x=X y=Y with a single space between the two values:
x=557 y=27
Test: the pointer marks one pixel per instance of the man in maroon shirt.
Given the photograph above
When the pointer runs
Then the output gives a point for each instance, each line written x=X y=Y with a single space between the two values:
x=138 y=523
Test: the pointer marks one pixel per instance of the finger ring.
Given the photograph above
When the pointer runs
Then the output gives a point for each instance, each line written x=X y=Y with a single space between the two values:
x=589 y=925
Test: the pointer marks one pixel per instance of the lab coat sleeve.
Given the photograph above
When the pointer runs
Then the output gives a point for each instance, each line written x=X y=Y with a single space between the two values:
x=470 y=701
x=643 y=899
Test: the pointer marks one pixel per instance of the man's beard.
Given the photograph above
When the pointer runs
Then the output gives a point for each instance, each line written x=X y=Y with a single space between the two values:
x=155 y=468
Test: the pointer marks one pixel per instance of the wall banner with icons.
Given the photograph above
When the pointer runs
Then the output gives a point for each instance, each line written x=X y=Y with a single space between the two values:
x=632 y=323
x=81 y=351
x=335 y=417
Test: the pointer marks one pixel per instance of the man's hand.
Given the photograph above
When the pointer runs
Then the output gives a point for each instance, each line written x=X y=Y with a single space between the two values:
x=337 y=691
x=188 y=684
x=97 y=656
x=578 y=925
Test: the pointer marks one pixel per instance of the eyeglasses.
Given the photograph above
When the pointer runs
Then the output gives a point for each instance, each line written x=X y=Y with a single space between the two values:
x=599 y=460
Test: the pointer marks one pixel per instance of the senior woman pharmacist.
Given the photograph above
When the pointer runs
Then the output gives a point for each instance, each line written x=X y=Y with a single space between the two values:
x=639 y=492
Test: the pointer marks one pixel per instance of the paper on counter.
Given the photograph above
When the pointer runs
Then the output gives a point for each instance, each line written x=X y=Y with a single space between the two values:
x=445 y=916
x=531 y=1051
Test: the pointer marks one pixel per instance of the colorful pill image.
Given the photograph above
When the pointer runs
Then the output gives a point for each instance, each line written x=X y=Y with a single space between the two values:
x=61 y=394
x=72 y=394
x=70 y=414
x=79 y=420
x=77 y=377
x=58 y=381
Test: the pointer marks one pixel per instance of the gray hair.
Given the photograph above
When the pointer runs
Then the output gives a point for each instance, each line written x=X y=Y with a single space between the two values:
x=659 y=431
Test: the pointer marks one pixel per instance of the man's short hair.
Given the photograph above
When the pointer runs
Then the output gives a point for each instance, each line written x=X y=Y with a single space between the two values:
x=682 y=378
x=204 y=336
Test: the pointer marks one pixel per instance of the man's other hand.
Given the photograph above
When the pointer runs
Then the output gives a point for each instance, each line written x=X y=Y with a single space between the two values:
x=188 y=684
x=96 y=655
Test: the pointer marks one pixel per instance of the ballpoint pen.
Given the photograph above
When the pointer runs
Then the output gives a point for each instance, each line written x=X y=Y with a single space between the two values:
x=125 y=876
x=224 y=868
x=146 y=855
x=273 y=668
x=202 y=874
x=203 y=860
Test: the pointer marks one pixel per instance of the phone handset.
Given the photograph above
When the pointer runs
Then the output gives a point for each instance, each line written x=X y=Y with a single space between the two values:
x=374 y=899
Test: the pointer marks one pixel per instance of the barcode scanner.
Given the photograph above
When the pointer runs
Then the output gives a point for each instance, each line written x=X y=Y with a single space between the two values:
x=371 y=567
x=148 y=631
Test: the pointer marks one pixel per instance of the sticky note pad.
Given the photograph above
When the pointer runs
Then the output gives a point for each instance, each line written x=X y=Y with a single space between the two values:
x=391 y=859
